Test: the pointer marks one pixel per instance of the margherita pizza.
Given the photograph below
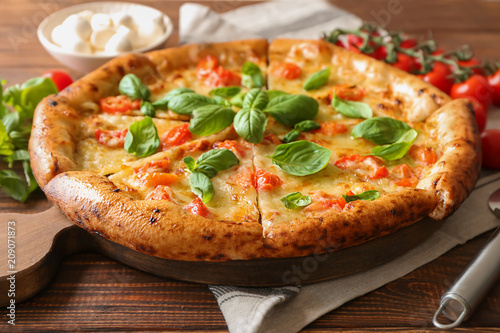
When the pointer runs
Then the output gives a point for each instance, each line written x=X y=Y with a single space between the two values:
x=245 y=150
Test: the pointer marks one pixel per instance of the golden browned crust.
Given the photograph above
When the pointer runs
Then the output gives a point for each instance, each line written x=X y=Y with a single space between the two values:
x=154 y=227
x=417 y=99
x=454 y=175
x=359 y=222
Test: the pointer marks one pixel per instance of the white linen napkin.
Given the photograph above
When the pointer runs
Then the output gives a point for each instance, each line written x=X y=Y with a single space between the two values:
x=289 y=309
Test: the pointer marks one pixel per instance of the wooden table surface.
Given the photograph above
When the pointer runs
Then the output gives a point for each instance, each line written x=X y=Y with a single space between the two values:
x=93 y=293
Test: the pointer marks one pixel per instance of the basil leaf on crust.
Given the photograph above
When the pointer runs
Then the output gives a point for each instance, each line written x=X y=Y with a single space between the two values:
x=238 y=99
x=201 y=185
x=251 y=75
x=186 y=103
x=162 y=103
x=380 y=130
x=147 y=109
x=250 y=124
x=295 y=200
x=301 y=158
x=398 y=149
x=272 y=94
x=317 y=80
x=142 y=138
x=292 y=109
x=255 y=99
x=220 y=159
x=225 y=92
x=307 y=126
x=210 y=119
x=351 y=109
x=133 y=87
x=366 y=195
x=291 y=136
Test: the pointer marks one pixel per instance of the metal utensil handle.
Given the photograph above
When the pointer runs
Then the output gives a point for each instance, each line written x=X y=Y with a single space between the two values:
x=458 y=303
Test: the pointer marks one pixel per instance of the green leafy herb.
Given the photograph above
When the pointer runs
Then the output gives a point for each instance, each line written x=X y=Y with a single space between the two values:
x=12 y=184
x=210 y=119
x=201 y=185
x=398 y=149
x=250 y=124
x=225 y=92
x=275 y=93
x=255 y=99
x=307 y=126
x=238 y=99
x=222 y=101
x=142 y=138
x=366 y=195
x=186 y=103
x=291 y=136
x=380 y=130
x=317 y=80
x=301 y=158
x=25 y=98
x=292 y=109
x=162 y=103
x=220 y=159
x=351 y=109
x=251 y=75
x=296 y=200
x=147 y=109
x=133 y=87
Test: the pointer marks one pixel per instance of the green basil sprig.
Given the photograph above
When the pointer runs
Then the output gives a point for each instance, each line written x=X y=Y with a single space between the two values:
x=301 y=158
x=250 y=124
x=317 y=80
x=133 y=87
x=292 y=109
x=222 y=101
x=225 y=92
x=162 y=103
x=303 y=126
x=206 y=167
x=394 y=137
x=142 y=138
x=296 y=200
x=237 y=100
x=210 y=119
x=351 y=109
x=369 y=195
x=272 y=94
x=187 y=102
x=251 y=75
x=147 y=109
x=255 y=99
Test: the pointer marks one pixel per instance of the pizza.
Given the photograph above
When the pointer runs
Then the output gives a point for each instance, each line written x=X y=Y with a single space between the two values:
x=247 y=150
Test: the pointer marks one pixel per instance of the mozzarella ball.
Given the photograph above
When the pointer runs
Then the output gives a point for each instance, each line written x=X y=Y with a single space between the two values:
x=86 y=14
x=60 y=35
x=149 y=32
x=78 y=25
x=123 y=19
x=78 y=46
x=118 y=44
x=100 y=37
x=100 y=21
x=131 y=35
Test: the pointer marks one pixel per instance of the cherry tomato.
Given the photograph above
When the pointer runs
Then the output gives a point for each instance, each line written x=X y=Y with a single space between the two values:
x=176 y=136
x=438 y=77
x=480 y=112
x=347 y=92
x=472 y=62
x=206 y=66
x=60 y=78
x=267 y=181
x=287 y=70
x=197 y=207
x=340 y=44
x=162 y=165
x=475 y=86
x=153 y=179
x=494 y=81
x=235 y=146
x=423 y=155
x=161 y=192
x=490 y=140
x=355 y=42
x=120 y=104
x=408 y=43
x=331 y=128
x=112 y=139
x=369 y=166
x=221 y=77
x=404 y=62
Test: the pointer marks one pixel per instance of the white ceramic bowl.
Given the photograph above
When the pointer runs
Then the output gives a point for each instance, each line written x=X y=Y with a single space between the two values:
x=88 y=62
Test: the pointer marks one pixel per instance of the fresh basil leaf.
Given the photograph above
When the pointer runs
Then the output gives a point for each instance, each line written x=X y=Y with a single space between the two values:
x=220 y=159
x=25 y=98
x=307 y=126
x=207 y=170
x=301 y=158
x=238 y=99
x=162 y=103
x=380 y=130
x=251 y=75
x=210 y=119
x=6 y=146
x=352 y=109
x=19 y=139
x=292 y=109
x=396 y=150
x=272 y=94
x=369 y=195
x=11 y=120
x=190 y=163
x=201 y=185
x=186 y=103
x=133 y=87
x=225 y=92
x=30 y=179
x=296 y=200
x=250 y=124
x=317 y=80
x=222 y=101
x=12 y=184
x=255 y=99
x=148 y=109
x=17 y=155
x=142 y=138
x=293 y=135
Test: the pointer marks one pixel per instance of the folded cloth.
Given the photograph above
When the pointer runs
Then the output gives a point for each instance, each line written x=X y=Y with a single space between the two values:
x=289 y=309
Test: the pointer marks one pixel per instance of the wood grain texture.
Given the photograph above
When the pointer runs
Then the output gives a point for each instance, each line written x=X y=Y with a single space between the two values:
x=92 y=293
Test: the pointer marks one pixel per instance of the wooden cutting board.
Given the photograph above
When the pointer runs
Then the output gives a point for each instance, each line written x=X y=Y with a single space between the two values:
x=35 y=244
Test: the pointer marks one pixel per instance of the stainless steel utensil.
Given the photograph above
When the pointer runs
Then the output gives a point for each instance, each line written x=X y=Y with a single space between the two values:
x=458 y=303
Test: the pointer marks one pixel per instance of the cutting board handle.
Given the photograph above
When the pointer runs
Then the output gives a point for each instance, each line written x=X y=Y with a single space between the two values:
x=32 y=246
